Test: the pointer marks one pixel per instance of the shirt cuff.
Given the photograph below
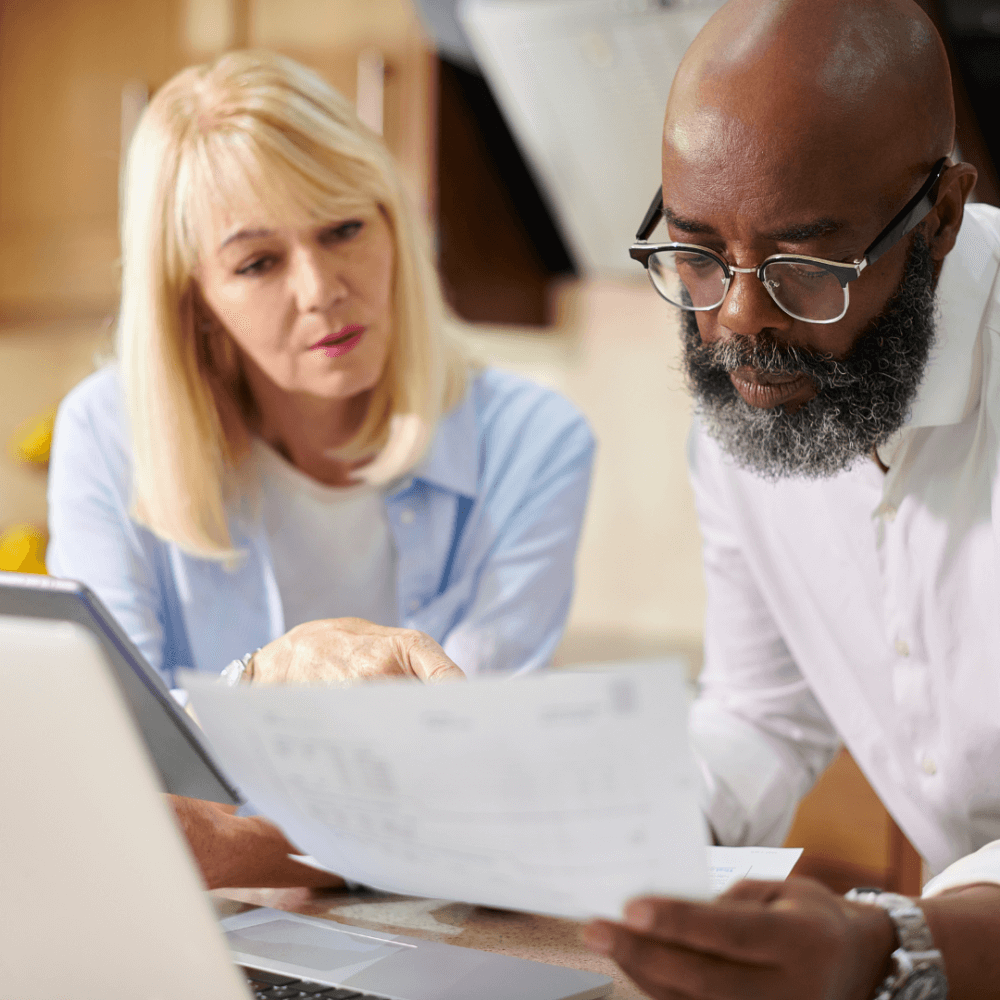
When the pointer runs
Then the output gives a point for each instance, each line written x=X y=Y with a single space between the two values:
x=981 y=866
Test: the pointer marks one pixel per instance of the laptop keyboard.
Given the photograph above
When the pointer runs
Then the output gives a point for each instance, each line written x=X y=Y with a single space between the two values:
x=271 y=986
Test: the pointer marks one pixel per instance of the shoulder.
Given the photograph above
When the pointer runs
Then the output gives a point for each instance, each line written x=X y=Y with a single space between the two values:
x=97 y=398
x=91 y=423
x=506 y=433
x=508 y=407
x=981 y=222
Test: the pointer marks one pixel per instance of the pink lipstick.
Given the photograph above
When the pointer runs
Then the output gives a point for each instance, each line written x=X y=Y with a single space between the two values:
x=340 y=342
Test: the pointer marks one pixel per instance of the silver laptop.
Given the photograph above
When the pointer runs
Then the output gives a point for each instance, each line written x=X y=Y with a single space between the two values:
x=100 y=900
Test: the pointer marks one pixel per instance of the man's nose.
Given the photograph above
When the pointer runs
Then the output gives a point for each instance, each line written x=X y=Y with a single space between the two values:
x=317 y=280
x=748 y=309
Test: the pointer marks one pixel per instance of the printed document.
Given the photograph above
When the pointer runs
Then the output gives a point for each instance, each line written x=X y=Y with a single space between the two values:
x=563 y=793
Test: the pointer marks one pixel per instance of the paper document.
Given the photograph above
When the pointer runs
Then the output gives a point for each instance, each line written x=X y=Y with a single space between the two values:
x=561 y=793
x=729 y=864
x=726 y=865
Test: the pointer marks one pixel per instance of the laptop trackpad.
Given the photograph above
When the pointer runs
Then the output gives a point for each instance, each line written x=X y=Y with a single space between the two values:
x=324 y=952
x=329 y=953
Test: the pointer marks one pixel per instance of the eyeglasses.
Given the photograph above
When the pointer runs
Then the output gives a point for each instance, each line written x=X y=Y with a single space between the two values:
x=810 y=289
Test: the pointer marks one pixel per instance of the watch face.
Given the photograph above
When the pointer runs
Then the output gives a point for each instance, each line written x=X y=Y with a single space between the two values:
x=924 y=984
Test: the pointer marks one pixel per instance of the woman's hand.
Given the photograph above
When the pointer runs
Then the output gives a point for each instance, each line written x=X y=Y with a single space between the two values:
x=243 y=851
x=348 y=651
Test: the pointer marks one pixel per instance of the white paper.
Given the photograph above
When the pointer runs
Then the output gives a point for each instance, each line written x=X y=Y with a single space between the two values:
x=560 y=793
x=726 y=865
x=729 y=864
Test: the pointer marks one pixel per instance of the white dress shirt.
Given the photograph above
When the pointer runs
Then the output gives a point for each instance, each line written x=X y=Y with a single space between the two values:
x=866 y=608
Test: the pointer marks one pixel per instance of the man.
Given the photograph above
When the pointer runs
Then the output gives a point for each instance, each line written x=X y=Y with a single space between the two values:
x=845 y=464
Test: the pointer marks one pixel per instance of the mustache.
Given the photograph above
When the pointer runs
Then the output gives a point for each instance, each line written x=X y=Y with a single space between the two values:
x=767 y=355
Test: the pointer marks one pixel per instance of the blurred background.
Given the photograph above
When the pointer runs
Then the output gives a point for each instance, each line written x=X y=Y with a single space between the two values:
x=528 y=134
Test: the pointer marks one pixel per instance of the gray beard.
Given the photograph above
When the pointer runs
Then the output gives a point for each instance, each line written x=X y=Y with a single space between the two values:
x=862 y=400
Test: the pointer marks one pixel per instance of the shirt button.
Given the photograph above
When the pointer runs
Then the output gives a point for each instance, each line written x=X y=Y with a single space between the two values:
x=405 y=485
x=929 y=766
x=889 y=514
x=414 y=604
x=902 y=648
x=407 y=517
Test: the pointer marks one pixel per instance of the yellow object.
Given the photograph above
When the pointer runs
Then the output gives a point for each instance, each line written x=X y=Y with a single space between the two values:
x=33 y=439
x=22 y=549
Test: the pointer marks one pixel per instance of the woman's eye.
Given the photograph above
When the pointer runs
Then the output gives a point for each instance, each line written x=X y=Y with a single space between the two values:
x=342 y=231
x=259 y=265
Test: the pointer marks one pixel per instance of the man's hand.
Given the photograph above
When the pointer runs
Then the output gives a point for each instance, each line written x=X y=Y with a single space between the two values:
x=349 y=650
x=792 y=940
x=244 y=851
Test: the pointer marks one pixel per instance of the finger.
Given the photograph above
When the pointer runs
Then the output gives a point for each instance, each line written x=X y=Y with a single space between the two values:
x=426 y=660
x=265 y=862
x=737 y=929
x=754 y=890
x=667 y=970
x=311 y=878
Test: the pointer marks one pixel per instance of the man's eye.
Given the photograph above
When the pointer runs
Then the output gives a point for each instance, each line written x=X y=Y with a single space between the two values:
x=699 y=264
x=808 y=273
x=342 y=231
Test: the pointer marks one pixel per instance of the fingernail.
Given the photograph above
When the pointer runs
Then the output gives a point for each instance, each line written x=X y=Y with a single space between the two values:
x=639 y=916
x=597 y=937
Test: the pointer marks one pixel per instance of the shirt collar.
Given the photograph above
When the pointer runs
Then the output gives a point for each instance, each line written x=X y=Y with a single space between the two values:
x=452 y=463
x=950 y=386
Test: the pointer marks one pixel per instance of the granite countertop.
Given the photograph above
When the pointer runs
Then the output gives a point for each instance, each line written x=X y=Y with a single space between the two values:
x=523 y=935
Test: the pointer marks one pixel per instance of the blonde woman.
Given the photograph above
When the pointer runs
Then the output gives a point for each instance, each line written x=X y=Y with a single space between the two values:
x=290 y=434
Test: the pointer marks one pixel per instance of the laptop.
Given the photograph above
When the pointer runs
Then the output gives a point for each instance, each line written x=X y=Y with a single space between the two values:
x=100 y=900
x=176 y=745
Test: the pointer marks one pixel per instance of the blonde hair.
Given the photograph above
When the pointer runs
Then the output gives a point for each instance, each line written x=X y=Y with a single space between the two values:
x=254 y=129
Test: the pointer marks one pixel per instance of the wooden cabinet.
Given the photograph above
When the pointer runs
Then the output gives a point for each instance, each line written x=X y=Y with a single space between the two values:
x=70 y=71
x=64 y=65
x=848 y=837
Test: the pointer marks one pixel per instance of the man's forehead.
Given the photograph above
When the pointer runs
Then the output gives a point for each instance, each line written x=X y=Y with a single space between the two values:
x=698 y=131
x=712 y=164
x=780 y=173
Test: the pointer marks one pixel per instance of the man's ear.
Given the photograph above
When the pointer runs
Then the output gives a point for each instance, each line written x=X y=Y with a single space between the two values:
x=945 y=219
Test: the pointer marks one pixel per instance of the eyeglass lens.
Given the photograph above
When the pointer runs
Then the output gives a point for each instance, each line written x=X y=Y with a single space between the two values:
x=694 y=280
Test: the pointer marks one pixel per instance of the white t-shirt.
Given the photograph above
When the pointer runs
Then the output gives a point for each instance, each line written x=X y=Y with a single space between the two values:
x=333 y=553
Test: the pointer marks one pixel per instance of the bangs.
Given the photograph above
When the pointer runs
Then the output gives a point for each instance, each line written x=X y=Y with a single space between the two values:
x=263 y=176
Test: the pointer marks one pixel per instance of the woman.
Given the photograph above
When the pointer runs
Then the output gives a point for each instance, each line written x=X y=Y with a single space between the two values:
x=290 y=433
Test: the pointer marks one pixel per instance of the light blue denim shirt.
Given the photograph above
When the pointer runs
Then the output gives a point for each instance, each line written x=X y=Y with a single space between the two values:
x=486 y=530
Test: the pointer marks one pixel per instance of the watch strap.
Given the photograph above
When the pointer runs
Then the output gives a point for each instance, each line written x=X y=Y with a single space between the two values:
x=917 y=965
x=235 y=671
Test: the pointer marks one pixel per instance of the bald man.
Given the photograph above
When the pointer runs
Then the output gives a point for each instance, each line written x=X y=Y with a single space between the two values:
x=839 y=314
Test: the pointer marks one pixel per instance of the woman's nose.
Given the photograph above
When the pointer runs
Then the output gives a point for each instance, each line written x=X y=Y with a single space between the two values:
x=317 y=281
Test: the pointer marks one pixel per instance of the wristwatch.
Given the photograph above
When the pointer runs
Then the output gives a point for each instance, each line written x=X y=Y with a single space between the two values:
x=235 y=671
x=917 y=966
